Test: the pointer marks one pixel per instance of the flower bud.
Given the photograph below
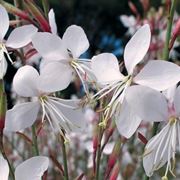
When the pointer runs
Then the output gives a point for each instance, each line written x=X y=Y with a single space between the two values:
x=175 y=34
x=113 y=157
x=33 y=9
x=115 y=172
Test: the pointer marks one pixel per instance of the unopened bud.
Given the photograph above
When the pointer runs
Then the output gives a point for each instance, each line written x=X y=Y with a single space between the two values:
x=115 y=172
x=176 y=33
x=113 y=157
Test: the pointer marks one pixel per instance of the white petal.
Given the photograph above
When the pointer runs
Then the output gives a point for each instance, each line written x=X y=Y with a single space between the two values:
x=106 y=69
x=169 y=93
x=52 y=21
x=4 y=169
x=21 y=116
x=50 y=46
x=137 y=48
x=128 y=21
x=55 y=76
x=4 y=22
x=108 y=148
x=177 y=101
x=127 y=121
x=74 y=114
x=159 y=75
x=3 y=65
x=149 y=104
x=75 y=40
x=25 y=81
x=21 y=36
x=32 y=169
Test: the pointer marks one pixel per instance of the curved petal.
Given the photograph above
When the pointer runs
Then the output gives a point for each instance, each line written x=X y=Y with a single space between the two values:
x=25 y=81
x=49 y=46
x=75 y=40
x=55 y=76
x=32 y=168
x=4 y=169
x=3 y=65
x=74 y=118
x=52 y=21
x=106 y=69
x=159 y=75
x=4 y=23
x=149 y=104
x=21 y=36
x=177 y=101
x=137 y=48
x=21 y=116
x=127 y=121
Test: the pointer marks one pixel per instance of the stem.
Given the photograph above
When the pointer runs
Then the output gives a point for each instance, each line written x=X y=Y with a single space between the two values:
x=45 y=7
x=169 y=29
x=11 y=168
x=3 y=107
x=35 y=143
x=66 y=175
x=99 y=152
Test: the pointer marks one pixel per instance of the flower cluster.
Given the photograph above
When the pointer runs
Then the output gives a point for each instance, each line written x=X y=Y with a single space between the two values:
x=139 y=95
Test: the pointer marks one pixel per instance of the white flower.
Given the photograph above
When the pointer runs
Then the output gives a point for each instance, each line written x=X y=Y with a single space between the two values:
x=18 y=38
x=62 y=55
x=32 y=168
x=161 y=149
x=156 y=74
x=60 y=113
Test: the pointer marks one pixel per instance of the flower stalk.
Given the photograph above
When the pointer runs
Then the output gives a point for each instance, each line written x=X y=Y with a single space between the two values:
x=169 y=29
x=35 y=143
x=63 y=144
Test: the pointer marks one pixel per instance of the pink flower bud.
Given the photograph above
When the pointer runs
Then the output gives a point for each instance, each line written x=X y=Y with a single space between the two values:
x=115 y=172
x=176 y=33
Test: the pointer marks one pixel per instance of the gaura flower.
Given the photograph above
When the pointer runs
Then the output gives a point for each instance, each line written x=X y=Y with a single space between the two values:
x=156 y=74
x=32 y=168
x=62 y=55
x=161 y=149
x=60 y=113
x=18 y=38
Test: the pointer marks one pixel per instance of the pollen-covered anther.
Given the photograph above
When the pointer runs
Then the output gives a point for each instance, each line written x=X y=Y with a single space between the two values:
x=172 y=120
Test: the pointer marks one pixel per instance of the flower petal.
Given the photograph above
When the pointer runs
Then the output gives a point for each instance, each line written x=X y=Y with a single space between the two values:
x=50 y=46
x=21 y=116
x=52 y=21
x=137 y=47
x=177 y=101
x=149 y=104
x=106 y=69
x=71 y=111
x=21 y=36
x=55 y=76
x=159 y=75
x=4 y=23
x=3 y=65
x=127 y=121
x=4 y=169
x=75 y=40
x=32 y=168
x=25 y=81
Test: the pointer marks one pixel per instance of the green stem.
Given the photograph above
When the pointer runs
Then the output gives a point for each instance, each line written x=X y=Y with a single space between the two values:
x=11 y=168
x=99 y=153
x=35 y=143
x=169 y=29
x=45 y=7
x=66 y=175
